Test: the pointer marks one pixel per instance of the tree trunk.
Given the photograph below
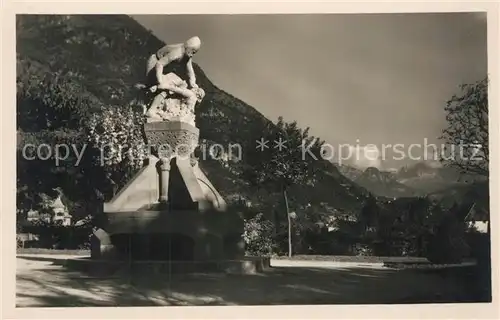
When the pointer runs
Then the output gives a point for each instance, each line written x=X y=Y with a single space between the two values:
x=488 y=226
x=289 y=224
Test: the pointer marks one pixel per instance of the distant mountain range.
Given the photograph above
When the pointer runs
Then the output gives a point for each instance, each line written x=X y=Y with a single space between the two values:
x=419 y=179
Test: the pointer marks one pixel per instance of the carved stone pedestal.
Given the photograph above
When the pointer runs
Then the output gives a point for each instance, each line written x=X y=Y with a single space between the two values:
x=169 y=210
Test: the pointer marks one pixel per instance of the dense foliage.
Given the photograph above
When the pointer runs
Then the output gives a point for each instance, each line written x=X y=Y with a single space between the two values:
x=258 y=236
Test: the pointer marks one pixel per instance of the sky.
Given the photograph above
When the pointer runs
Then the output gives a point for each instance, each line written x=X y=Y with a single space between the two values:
x=356 y=79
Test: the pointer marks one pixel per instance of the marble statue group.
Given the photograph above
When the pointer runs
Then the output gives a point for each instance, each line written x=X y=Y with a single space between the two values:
x=173 y=97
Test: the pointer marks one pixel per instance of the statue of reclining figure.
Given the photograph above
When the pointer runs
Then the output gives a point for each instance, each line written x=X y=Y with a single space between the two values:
x=170 y=85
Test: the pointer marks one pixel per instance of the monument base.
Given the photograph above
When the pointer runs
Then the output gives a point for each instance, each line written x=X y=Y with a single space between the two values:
x=169 y=235
x=169 y=211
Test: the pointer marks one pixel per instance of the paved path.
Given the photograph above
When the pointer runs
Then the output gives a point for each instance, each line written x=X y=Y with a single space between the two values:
x=40 y=283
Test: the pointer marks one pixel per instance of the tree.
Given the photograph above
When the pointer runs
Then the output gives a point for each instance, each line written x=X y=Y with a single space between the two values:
x=467 y=117
x=447 y=244
x=369 y=213
x=283 y=157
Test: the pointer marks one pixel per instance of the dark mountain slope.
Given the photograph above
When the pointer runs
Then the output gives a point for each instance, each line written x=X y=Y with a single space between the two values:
x=348 y=171
x=464 y=195
x=102 y=57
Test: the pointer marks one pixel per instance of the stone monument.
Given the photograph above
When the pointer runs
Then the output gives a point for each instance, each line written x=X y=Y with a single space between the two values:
x=170 y=211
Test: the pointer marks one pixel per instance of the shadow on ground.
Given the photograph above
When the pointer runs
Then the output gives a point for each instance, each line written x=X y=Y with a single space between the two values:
x=40 y=282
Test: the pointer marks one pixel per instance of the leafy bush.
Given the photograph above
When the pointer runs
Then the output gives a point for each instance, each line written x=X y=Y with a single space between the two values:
x=448 y=244
x=116 y=132
x=258 y=235
x=51 y=236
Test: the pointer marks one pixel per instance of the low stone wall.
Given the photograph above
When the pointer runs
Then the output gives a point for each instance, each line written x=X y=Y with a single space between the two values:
x=428 y=266
x=354 y=259
x=248 y=265
x=55 y=252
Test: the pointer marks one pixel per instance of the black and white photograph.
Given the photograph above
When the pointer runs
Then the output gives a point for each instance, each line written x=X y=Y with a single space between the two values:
x=252 y=159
